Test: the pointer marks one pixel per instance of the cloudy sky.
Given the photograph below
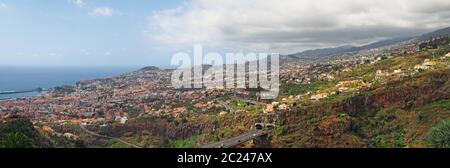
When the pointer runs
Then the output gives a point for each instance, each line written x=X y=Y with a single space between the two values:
x=119 y=32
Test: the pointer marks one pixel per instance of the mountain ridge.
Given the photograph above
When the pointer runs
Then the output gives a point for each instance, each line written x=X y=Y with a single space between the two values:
x=340 y=50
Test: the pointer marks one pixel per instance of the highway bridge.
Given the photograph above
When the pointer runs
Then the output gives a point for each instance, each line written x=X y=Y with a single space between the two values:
x=228 y=143
x=238 y=140
x=260 y=130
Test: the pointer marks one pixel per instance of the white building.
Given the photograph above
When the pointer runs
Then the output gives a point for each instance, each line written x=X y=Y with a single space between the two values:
x=420 y=67
x=123 y=120
x=397 y=71
x=70 y=135
x=319 y=96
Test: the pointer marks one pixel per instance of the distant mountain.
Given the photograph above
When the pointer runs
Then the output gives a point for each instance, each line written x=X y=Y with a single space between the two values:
x=328 y=52
x=437 y=33
x=383 y=43
x=321 y=52
x=149 y=68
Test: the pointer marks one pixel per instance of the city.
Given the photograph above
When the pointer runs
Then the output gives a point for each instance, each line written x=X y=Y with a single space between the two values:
x=225 y=83
x=106 y=104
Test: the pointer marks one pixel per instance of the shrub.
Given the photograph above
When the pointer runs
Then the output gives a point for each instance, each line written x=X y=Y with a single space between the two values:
x=15 y=140
x=18 y=132
x=439 y=135
x=184 y=143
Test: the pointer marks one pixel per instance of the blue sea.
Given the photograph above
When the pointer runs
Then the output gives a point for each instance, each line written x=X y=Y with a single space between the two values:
x=28 y=78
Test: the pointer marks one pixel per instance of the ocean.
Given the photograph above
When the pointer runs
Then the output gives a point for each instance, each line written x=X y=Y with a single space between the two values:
x=28 y=78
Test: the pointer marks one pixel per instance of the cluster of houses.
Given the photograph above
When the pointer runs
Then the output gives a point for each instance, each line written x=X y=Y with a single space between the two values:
x=396 y=73
x=342 y=87
x=97 y=102
x=277 y=106
x=427 y=63
x=50 y=131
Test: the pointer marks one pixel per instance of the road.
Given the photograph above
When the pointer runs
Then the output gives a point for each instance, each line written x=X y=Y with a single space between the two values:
x=244 y=100
x=107 y=137
x=228 y=143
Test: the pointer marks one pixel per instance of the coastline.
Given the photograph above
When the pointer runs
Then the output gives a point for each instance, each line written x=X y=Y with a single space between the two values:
x=29 y=82
x=26 y=95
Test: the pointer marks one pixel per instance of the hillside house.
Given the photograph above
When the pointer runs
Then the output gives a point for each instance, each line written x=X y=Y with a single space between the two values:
x=346 y=70
x=350 y=83
x=123 y=120
x=429 y=63
x=47 y=129
x=283 y=107
x=397 y=71
x=319 y=96
x=380 y=73
x=222 y=113
x=269 y=108
x=420 y=67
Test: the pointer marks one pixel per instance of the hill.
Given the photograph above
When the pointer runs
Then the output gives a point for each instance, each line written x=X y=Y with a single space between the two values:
x=336 y=51
x=329 y=52
x=18 y=132
x=434 y=34
x=405 y=109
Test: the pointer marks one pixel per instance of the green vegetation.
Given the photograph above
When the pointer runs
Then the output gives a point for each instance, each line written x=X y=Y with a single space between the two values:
x=18 y=132
x=133 y=112
x=224 y=133
x=117 y=144
x=296 y=89
x=16 y=140
x=184 y=143
x=439 y=135
x=281 y=130
x=397 y=111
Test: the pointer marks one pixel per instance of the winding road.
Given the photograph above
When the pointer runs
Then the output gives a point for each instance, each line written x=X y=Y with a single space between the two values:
x=228 y=143
x=107 y=137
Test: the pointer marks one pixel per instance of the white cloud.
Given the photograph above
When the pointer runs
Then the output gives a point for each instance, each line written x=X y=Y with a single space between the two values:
x=3 y=5
x=105 y=11
x=294 y=24
x=78 y=3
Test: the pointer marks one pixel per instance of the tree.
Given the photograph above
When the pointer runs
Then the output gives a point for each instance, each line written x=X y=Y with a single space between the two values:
x=16 y=140
x=80 y=144
x=19 y=132
x=439 y=135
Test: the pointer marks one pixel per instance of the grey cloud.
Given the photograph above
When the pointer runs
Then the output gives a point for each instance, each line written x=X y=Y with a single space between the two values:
x=295 y=24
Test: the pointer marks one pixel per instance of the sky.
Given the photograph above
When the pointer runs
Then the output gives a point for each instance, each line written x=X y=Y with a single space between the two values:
x=142 y=33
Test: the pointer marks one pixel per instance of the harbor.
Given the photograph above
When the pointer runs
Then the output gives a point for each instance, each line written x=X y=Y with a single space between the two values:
x=13 y=95
x=21 y=91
